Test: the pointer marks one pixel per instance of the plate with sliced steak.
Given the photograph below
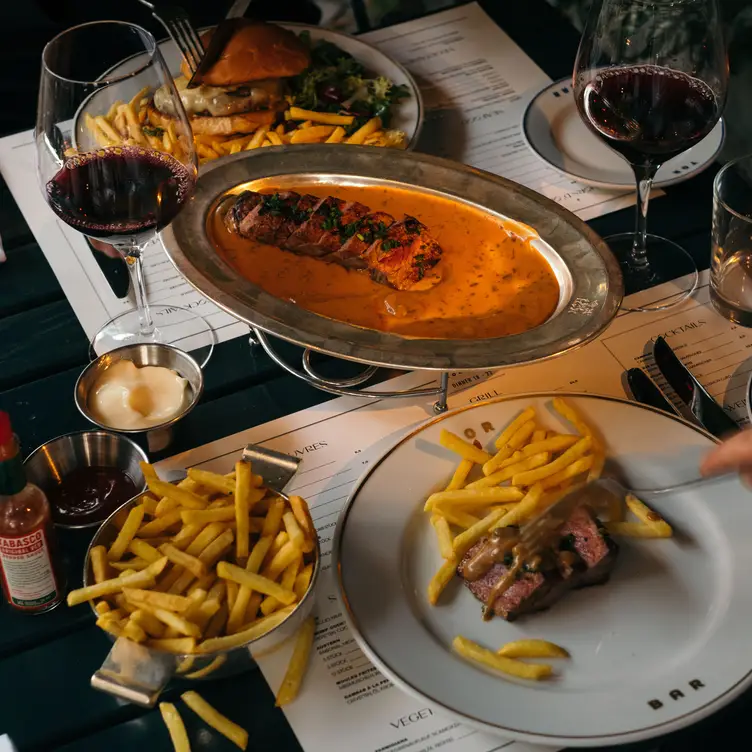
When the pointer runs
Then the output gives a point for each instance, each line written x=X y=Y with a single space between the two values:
x=656 y=629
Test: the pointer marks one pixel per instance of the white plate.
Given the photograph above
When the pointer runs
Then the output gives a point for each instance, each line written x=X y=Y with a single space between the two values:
x=662 y=645
x=554 y=130
x=407 y=115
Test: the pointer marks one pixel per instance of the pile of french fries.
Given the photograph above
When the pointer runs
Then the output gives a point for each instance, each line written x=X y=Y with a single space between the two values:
x=204 y=566
x=529 y=470
x=127 y=123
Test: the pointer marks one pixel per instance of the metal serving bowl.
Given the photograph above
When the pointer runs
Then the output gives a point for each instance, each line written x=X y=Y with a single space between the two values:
x=588 y=274
x=53 y=460
x=167 y=356
x=138 y=674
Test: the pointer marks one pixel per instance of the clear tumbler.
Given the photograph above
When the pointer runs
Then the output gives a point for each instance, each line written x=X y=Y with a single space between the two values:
x=731 y=260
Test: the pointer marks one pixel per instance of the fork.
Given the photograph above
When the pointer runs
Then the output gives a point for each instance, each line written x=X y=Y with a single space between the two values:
x=554 y=515
x=179 y=27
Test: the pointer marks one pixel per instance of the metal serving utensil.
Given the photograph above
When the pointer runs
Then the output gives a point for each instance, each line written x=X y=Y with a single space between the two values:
x=275 y=468
x=558 y=512
x=178 y=25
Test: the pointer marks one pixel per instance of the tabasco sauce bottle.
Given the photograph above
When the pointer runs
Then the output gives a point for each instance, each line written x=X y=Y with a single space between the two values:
x=27 y=546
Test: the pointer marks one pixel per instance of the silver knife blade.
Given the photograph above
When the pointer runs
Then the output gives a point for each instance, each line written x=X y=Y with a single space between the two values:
x=645 y=391
x=708 y=413
x=219 y=39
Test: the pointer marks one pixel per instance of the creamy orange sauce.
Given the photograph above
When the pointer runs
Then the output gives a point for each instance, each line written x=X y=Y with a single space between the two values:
x=493 y=282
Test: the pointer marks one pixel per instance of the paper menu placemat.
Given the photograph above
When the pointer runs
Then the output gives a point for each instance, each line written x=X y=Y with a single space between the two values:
x=476 y=82
x=345 y=702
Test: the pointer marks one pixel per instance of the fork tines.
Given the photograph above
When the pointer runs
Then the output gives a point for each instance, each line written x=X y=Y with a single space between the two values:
x=181 y=30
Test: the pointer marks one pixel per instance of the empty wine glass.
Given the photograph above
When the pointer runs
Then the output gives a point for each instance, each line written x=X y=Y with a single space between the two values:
x=650 y=79
x=106 y=172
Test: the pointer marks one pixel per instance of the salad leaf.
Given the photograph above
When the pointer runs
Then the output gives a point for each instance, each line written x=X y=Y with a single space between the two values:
x=337 y=82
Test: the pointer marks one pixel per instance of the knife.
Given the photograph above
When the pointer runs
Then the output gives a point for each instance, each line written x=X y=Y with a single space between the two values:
x=645 y=390
x=220 y=38
x=706 y=410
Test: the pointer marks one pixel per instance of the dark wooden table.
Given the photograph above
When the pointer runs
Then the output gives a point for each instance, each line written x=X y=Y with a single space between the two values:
x=46 y=661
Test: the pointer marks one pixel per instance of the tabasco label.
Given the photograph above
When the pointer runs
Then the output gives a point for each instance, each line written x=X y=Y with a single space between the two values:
x=28 y=577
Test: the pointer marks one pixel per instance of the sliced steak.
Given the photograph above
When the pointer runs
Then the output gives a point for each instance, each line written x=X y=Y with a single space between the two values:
x=363 y=235
x=331 y=241
x=401 y=255
x=592 y=544
x=324 y=219
x=584 y=555
x=241 y=207
x=405 y=258
x=270 y=216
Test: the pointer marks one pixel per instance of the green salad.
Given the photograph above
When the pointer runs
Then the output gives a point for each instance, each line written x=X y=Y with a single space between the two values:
x=337 y=82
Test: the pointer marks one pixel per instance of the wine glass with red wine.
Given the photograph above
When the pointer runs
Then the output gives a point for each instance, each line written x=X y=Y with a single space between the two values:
x=650 y=80
x=110 y=175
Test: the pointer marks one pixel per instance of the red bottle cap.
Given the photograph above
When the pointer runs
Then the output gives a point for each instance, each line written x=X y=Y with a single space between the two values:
x=6 y=432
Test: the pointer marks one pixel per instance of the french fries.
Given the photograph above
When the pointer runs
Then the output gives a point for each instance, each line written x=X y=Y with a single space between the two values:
x=212 y=717
x=531 y=469
x=129 y=124
x=532 y=649
x=478 y=654
x=290 y=687
x=175 y=726
x=217 y=568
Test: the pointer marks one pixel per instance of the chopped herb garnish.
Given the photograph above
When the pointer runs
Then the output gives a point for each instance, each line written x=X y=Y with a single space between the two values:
x=153 y=131
x=388 y=244
x=508 y=560
x=274 y=205
x=359 y=236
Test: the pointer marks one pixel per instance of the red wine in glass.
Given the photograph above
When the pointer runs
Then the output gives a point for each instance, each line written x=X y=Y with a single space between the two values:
x=120 y=191
x=647 y=112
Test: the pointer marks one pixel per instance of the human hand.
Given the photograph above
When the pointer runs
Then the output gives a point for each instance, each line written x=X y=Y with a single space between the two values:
x=733 y=455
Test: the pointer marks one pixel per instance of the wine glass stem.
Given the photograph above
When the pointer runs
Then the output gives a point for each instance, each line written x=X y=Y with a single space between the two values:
x=134 y=261
x=644 y=175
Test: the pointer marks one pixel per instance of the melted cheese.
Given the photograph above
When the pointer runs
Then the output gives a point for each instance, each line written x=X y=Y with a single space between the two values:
x=220 y=100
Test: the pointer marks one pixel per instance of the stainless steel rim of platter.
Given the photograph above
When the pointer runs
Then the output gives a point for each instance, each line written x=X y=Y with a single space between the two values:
x=588 y=274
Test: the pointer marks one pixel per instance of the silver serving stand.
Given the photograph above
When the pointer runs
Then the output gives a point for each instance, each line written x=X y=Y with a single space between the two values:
x=590 y=282
x=343 y=387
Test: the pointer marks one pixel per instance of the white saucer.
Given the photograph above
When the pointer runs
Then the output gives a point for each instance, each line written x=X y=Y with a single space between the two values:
x=555 y=132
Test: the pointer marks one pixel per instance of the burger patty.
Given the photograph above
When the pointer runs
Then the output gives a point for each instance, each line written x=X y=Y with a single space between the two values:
x=220 y=101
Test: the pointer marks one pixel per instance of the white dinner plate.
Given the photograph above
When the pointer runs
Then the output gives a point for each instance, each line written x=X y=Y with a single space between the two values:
x=663 y=644
x=554 y=130
x=407 y=115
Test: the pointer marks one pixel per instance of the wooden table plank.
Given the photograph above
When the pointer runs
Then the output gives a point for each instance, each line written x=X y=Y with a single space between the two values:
x=26 y=281
x=238 y=698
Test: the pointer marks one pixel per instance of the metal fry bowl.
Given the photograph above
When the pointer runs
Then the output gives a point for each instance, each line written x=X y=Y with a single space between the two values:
x=138 y=674
x=54 y=459
x=588 y=274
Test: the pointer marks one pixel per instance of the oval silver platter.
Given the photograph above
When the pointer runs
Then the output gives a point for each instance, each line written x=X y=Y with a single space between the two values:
x=588 y=274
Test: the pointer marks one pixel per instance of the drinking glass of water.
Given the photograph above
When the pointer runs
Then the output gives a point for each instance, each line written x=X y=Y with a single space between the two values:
x=731 y=259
